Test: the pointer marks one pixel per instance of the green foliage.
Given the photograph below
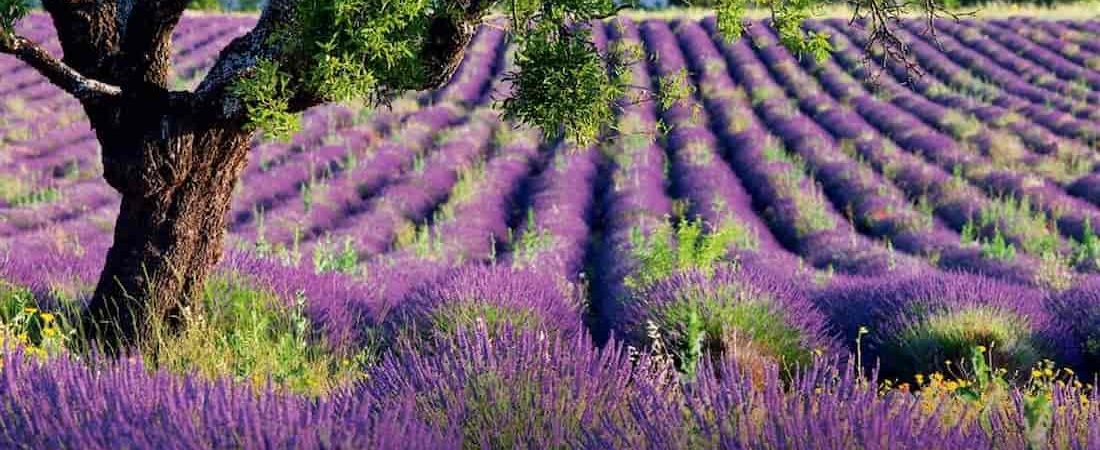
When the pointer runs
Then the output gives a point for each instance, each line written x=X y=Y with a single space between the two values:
x=998 y=248
x=40 y=333
x=1037 y=234
x=21 y=192
x=329 y=257
x=10 y=13
x=787 y=17
x=266 y=96
x=453 y=317
x=339 y=50
x=686 y=246
x=357 y=48
x=729 y=15
x=559 y=11
x=237 y=332
x=205 y=5
x=742 y=236
x=941 y=340
x=248 y=334
x=425 y=241
x=726 y=320
x=675 y=88
x=532 y=242
x=1087 y=251
x=561 y=84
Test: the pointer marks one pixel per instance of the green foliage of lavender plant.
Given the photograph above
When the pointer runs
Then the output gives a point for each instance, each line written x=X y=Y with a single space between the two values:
x=700 y=322
x=743 y=237
x=426 y=241
x=492 y=318
x=1021 y=218
x=18 y=193
x=935 y=343
x=532 y=242
x=998 y=247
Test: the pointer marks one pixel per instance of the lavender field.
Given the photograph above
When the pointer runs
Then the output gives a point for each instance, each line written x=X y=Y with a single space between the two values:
x=795 y=254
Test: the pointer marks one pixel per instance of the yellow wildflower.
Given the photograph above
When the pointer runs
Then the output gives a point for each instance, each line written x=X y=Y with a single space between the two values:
x=1035 y=373
x=920 y=378
x=47 y=317
x=30 y=310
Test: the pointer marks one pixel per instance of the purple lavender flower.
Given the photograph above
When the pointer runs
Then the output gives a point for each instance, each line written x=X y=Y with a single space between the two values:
x=495 y=297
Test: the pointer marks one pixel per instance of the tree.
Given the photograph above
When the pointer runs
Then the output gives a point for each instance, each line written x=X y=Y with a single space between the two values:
x=175 y=156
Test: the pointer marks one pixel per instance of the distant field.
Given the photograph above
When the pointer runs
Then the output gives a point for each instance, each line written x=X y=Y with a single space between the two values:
x=847 y=193
x=1084 y=10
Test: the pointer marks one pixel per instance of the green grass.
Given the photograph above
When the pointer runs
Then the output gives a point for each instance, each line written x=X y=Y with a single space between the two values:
x=237 y=332
x=249 y=334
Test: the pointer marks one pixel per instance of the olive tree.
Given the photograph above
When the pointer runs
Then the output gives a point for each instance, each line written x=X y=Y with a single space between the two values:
x=175 y=156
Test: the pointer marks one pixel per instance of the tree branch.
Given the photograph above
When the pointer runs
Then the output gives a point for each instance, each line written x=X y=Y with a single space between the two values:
x=88 y=31
x=60 y=74
x=238 y=58
x=145 y=30
x=448 y=36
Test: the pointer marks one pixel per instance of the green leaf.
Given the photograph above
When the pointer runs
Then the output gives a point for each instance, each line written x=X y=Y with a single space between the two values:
x=11 y=11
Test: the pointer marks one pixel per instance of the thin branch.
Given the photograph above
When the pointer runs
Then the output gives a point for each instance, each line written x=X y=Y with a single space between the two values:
x=60 y=74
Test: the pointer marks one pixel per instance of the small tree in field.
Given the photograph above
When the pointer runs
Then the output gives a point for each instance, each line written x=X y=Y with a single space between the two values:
x=175 y=156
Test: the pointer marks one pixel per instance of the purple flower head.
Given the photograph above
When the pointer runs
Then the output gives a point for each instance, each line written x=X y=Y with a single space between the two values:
x=498 y=297
x=1075 y=326
x=513 y=390
x=64 y=403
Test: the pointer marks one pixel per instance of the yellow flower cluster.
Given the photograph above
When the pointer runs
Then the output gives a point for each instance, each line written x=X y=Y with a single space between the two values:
x=36 y=332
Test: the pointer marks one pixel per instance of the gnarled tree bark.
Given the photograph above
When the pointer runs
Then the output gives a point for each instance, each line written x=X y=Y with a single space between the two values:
x=176 y=184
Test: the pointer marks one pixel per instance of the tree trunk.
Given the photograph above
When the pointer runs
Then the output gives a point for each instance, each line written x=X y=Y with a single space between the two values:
x=176 y=192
